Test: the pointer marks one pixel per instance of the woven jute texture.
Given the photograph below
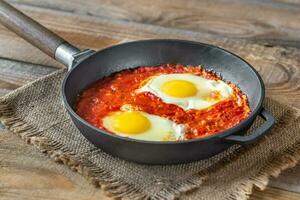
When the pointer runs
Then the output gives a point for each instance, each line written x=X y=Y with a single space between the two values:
x=36 y=113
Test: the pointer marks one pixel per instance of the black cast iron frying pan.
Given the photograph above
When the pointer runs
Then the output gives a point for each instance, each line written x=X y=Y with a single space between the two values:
x=85 y=67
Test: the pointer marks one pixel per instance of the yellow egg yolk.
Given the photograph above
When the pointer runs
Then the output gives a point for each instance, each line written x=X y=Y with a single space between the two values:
x=179 y=88
x=130 y=122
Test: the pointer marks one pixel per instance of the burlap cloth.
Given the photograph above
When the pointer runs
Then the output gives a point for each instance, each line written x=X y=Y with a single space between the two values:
x=35 y=112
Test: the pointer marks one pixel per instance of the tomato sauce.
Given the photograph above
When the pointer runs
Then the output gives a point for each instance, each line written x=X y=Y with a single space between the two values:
x=109 y=94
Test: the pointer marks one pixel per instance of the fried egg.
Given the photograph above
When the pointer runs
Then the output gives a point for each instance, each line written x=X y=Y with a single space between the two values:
x=187 y=91
x=143 y=126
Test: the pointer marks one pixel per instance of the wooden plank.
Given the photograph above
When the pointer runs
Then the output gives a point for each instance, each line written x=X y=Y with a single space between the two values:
x=5 y=86
x=274 y=22
x=289 y=180
x=20 y=73
x=274 y=194
x=4 y=91
x=14 y=74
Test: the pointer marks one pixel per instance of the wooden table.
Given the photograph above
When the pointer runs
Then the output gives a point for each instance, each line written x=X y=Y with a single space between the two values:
x=266 y=33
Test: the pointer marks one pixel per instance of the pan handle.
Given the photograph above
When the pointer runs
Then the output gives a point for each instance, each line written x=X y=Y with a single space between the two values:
x=36 y=34
x=258 y=133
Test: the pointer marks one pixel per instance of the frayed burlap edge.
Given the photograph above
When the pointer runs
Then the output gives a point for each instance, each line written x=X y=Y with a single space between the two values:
x=275 y=165
x=100 y=178
x=273 y=168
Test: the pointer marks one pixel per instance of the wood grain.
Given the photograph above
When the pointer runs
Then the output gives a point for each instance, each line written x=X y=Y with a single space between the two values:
x=289 y=180
x=273 y=21
x=4 y=91
x=273 y=194
x=14 y=74
x=29 y=29
x=20 y=73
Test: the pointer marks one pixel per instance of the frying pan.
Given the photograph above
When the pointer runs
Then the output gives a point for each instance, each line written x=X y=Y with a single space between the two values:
x=85 y=67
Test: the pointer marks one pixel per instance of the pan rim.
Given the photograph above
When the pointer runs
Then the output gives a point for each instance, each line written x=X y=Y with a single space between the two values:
x=235 y=129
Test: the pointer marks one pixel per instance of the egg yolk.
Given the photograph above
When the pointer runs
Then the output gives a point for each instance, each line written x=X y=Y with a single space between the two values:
x=179 y=88
x=131 y=122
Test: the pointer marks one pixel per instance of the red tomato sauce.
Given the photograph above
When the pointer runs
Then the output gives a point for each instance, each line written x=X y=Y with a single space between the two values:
x=109 y=94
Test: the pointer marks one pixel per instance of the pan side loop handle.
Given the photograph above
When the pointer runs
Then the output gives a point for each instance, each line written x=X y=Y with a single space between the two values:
x=36 y=34
x=256 y=134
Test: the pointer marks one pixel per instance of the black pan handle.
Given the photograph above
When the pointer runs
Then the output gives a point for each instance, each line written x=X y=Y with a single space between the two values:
x=36 y=34
x=258 y=133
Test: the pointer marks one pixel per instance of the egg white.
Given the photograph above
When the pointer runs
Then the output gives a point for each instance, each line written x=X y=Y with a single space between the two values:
x=204 y=88
x=161 y=129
